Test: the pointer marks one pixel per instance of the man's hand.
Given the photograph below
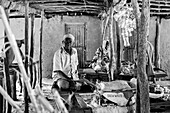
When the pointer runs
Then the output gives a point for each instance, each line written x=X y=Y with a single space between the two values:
x=78 y=86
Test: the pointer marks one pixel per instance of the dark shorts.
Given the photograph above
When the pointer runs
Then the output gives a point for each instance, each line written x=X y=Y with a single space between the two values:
x=64 y=84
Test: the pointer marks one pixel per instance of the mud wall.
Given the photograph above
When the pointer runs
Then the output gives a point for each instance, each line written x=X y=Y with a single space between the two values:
x=54 y=29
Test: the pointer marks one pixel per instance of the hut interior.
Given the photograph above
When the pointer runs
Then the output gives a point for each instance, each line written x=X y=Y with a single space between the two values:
x=42 y=23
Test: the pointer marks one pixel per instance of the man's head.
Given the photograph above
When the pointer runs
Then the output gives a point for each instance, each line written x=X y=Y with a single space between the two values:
x=68 y=41
x=20 y=42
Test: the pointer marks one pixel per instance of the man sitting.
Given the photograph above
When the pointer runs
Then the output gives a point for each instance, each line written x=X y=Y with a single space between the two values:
x=65 y=62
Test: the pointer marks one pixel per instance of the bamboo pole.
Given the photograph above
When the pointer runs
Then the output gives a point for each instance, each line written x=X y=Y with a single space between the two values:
x=26 y=54
x=41 y=36
x=6 y=72
x=157 y=43
x=141 y=64
x=9 y=99
x=32 y=51
x=14 y=46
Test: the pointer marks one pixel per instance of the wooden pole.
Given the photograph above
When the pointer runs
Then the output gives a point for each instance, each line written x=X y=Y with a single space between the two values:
x=141 y=64
x=112 y=59
x=14 y=46
x=32 y=51
x=105 y=26
x=136 y=11
x=118 y=62
x=157 y=43
x=41 y=36
x=6 y=68
x=26 y=53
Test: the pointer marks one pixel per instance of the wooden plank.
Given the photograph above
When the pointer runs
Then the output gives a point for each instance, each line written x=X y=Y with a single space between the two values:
x=78 y=11
x=157 y=5
x=158 y=1
x=71 y=6
x=160 y=13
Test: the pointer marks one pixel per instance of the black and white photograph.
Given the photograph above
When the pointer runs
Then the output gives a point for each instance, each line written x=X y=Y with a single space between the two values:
x=84 y=56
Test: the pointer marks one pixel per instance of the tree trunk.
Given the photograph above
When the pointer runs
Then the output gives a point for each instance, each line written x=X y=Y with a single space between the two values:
x=142 y=76
x=135 y=6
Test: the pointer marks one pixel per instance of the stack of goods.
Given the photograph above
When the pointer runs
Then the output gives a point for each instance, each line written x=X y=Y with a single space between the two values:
x=115 y=95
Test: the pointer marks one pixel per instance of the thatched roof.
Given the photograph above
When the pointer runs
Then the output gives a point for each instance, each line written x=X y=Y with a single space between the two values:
x=52 y=7
x=80 y=7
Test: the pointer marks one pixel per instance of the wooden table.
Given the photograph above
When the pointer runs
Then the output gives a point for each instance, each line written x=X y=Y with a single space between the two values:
x=92 y=76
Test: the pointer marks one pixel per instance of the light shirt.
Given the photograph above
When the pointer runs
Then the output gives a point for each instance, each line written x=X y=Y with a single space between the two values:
x=66 y=63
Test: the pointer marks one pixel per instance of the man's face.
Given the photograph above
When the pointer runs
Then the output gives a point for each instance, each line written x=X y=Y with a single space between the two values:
x=19 y=43
x=67 y=43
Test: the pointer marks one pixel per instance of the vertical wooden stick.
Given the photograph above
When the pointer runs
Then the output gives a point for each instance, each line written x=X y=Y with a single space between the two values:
x=41 y=36
x=6 y=72
x=157 y=43
x=32 y=51
x=118 y=62
x=112 y=59
x=26 y=53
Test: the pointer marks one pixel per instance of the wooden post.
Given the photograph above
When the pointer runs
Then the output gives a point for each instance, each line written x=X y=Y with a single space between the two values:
x=41 y=36
x=112 y=58
x=118 y=61
x=32 y=51
x=136 y=11
x=157 y=43
x=26 y=53
x=6 y=74
x=141 y=64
